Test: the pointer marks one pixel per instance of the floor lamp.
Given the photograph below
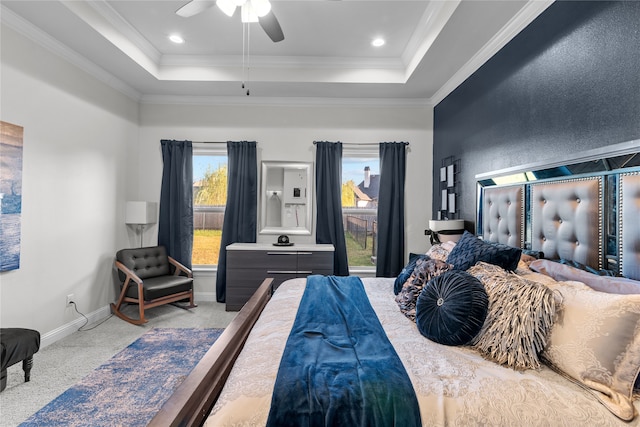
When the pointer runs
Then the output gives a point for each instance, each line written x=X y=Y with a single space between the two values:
x=141 y=214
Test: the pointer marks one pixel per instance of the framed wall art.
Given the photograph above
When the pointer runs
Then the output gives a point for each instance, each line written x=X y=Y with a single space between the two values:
x=10 y=195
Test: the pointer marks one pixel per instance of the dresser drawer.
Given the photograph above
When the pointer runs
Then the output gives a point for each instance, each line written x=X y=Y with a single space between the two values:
x=247 y=268
x=312 y=262
x=263 y=260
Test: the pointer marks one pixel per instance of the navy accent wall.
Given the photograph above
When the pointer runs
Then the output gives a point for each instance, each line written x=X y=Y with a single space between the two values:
x=569 y=82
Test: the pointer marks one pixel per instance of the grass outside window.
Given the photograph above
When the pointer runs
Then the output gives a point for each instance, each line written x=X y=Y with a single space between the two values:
x=206 y=247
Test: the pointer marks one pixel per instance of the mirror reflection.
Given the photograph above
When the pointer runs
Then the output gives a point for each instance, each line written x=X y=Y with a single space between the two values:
x=608 y=162
x=285 y=198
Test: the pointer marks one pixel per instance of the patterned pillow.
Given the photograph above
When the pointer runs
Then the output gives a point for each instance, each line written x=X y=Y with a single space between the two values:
x=595 y=342
x=426 y=269
x=406 y=272
x=441 y=251
x=521 y=313
x=451 y=308
x=469 y=250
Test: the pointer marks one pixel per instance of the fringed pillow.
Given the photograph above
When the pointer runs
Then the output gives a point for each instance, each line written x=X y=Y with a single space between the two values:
x=519 y=321
x=425 y=270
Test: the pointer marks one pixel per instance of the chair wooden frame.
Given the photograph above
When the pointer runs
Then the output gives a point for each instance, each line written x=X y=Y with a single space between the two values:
x=132 y=279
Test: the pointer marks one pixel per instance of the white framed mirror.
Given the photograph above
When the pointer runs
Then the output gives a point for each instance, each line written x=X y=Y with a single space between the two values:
x=286 y=198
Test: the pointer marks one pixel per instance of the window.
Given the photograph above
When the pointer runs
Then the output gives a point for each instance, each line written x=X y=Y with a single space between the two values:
x=209 y=202
x=360 y=186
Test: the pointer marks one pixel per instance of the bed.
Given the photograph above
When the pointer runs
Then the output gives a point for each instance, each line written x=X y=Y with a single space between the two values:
x=583 y=366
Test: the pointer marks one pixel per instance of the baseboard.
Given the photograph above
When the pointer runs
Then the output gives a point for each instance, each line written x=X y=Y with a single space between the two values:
x=71 y=327
x=96 y=316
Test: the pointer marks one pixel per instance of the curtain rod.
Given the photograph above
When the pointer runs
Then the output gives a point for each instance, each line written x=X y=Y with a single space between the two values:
x=314 y=143
x=361 y=143
x=213 y=142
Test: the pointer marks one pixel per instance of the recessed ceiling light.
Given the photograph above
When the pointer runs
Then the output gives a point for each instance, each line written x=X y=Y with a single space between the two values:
x=176 y=39
x=377 y=42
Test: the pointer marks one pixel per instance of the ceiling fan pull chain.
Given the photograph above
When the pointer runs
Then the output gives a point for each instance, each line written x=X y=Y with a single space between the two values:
x=248 y=54
x=244 y=43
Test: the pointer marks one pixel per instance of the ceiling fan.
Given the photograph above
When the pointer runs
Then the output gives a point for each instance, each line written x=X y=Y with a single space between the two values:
x=250 y=11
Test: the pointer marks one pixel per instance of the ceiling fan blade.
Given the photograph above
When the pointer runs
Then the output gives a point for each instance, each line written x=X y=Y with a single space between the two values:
x=194 y=7
x=271 y=26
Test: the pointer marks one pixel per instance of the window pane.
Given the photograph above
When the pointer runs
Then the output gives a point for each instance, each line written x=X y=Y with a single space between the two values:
x=209 y=201
x=360 y=186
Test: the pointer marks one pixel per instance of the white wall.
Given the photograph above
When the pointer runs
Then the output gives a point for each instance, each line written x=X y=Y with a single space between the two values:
x=88 y=149
x=286 y=133
x=79 y=139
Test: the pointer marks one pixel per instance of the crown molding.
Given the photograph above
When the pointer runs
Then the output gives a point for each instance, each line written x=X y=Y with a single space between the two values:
x=282 y=61
x=36 y=35
x=432 y=22
x=101 y=20
x=518 y=23
x=126 y=29
x=285 y=101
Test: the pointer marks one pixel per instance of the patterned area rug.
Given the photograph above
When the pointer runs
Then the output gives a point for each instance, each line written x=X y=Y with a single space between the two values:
x=133 y=385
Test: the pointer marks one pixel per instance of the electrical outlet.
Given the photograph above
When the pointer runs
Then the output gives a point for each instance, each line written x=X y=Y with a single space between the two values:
x=70 y=299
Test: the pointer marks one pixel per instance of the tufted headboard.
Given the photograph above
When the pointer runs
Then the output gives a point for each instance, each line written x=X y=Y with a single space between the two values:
x=566 y=220
x=630 y=218
x=503 y=215
x=584 y=210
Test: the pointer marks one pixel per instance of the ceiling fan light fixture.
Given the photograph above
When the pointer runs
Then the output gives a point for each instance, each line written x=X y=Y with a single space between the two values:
x=261 y=7
x=228 y=7
x=247 y=14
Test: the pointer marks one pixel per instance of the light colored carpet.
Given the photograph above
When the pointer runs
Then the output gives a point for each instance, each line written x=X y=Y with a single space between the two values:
x=65 y=362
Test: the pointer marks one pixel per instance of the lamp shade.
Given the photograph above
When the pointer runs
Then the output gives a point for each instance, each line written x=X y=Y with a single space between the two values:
x=141 y=213
x=450 y=224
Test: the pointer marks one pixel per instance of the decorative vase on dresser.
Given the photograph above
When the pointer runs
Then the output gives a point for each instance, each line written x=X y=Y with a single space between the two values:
x=248 y=264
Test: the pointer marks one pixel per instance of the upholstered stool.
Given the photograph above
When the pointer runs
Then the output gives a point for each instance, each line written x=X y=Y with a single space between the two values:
x=18 y=345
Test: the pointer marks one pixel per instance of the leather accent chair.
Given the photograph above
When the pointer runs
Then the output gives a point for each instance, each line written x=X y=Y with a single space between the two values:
x=149 y=278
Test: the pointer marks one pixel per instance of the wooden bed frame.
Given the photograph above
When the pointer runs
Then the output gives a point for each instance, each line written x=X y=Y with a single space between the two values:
x=191 y=403
x=194 y=399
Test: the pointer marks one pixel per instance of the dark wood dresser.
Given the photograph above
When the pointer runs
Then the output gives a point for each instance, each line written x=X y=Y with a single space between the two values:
x=248 y=264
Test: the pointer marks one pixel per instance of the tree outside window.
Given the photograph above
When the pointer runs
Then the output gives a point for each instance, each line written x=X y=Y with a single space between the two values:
x=209 y=202
x=360 y=187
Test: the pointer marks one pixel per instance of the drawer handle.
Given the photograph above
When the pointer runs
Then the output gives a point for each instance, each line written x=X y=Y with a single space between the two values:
x=305 y=253
x=282 y=253
x=304 y=272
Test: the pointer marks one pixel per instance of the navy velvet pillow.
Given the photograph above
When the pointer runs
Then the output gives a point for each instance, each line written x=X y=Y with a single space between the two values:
x=406 y=271
x=469 y=250
x=451 y=308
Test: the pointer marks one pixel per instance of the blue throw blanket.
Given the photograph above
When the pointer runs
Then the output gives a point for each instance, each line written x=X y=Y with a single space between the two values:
x=338 y=367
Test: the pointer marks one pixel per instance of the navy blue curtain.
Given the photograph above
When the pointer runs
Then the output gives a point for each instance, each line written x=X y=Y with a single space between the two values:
x=175 y=222
x=329 y=228
x=390 y=256
x=240 y=215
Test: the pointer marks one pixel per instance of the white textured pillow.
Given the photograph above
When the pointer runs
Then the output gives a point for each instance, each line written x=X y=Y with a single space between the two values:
x=519 y=319
x=596 y=341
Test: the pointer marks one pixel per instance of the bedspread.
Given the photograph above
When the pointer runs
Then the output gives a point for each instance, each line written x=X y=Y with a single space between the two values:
x=455 y=386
